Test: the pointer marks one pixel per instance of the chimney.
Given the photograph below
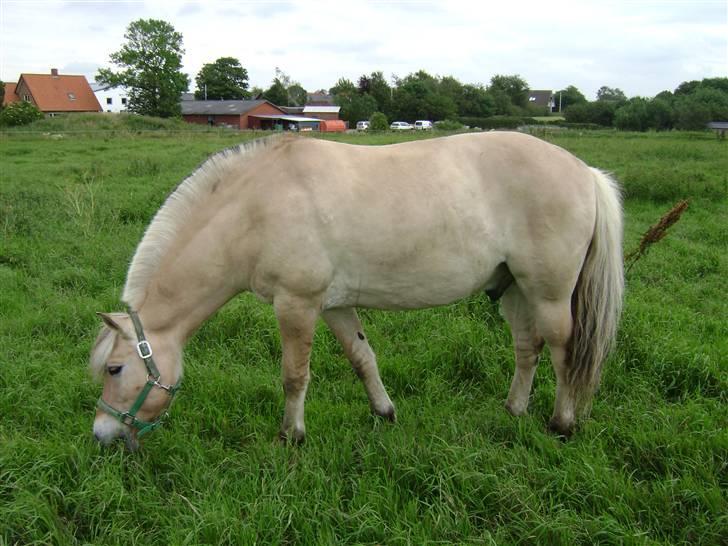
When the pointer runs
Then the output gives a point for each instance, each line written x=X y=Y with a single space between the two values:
x=54 y=72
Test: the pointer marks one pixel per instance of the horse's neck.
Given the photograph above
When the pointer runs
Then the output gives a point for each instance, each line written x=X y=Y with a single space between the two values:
x=180 y=297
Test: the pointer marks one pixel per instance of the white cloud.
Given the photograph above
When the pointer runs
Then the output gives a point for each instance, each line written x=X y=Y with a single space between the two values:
x=642 y=47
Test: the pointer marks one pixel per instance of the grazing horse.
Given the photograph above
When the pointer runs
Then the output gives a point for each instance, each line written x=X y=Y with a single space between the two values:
x=318 y=228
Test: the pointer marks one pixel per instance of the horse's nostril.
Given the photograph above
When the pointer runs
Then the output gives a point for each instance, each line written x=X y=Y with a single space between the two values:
x=98 y=438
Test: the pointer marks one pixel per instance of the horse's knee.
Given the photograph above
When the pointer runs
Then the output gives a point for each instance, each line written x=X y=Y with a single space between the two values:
x=294 y=384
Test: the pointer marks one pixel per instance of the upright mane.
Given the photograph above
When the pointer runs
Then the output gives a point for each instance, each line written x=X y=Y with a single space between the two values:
x=168 y=219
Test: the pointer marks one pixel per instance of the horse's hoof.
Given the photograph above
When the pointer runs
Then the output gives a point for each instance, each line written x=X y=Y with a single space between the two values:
x=388 y=414
x=295 y=437
x=514 y=410
x=560 y=430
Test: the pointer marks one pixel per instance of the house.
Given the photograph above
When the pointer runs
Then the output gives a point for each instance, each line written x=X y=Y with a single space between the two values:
x=53 y=93
x=243 y=114
x=319 y=98
x=112 y=99
x=542 y=98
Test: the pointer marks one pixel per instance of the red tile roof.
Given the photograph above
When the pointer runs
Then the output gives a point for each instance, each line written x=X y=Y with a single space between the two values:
x=60 y=93
x=10 y=95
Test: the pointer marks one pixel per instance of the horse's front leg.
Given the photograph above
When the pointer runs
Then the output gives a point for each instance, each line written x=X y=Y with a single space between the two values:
x=297 y=321
x=345 y=325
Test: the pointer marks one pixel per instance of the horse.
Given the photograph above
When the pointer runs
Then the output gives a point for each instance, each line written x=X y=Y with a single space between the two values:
x=318 y=229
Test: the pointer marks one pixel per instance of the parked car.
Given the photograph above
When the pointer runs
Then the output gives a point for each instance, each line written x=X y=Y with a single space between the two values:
x=400 y=126
x=423 y=125
x=362 y=125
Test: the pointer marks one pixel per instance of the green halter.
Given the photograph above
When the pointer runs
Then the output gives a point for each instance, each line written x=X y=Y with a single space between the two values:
x=144 y=349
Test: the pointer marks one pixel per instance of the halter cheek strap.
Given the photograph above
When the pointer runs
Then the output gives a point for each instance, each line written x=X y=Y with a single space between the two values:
x=144 y=349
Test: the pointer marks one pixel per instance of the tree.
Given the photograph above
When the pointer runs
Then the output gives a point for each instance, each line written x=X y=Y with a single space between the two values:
x=2 y=94
x=633 y=116
x=687 y=88
x=277 y=93
x=381 y=91
x=691 y=114
x=356 y=107
x=151 y=62
x=475 y=102
x=566 y=97
x=418 y=96
x=662 y=116
x=343 y=86
x=514 y=87
x=611 y=94
x=297 y=95
x=225 y=79
x=19 y=113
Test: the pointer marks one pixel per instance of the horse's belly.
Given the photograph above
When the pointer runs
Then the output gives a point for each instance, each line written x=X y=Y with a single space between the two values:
x=416 y=288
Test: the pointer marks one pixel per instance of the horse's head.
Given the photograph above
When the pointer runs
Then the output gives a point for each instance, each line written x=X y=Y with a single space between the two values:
x=135 y=395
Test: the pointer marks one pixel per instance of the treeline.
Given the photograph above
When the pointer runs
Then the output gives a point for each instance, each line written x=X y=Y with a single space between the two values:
x=505 y=101
x=689 y=107
x=423 y=96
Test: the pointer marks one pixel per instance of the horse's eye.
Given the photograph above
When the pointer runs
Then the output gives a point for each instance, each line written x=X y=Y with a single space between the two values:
x=113 y=370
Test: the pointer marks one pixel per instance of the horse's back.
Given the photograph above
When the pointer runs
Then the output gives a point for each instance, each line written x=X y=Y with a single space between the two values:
x=424 y=223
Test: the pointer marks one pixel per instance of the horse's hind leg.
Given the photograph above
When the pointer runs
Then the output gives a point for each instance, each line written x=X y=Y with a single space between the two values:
x=297 y=321
x=527 y=344
x=345 y=325
x=554 y=322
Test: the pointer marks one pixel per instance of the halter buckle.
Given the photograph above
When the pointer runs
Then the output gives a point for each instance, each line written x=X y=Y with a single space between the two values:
x=144 y=349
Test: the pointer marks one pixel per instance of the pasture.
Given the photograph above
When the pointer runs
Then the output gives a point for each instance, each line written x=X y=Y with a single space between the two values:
x=648 y=467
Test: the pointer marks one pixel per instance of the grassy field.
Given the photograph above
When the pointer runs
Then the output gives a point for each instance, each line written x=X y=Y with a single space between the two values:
x=648 y=467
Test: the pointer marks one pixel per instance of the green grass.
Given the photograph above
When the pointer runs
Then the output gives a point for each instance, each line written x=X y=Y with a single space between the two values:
x=648 y=467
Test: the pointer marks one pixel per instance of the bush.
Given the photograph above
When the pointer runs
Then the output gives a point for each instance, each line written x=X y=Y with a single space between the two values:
x=599 y=112
x=448 y=125
x=19 y=113
x=378 y=122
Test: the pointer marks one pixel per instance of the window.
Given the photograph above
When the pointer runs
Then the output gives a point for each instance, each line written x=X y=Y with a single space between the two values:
x=108 y=100
x=71 y=96
x=123 y=100
x=26 y=98
x=531 y=99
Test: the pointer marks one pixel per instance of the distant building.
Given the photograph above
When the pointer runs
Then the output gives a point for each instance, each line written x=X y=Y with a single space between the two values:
x=542 y=98
x=112 y=99
x=53 y=93
x=319 y=98
x=243 y=114
x=322 y=112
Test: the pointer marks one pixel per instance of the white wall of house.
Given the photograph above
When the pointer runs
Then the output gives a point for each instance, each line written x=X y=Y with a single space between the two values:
x=112 y=99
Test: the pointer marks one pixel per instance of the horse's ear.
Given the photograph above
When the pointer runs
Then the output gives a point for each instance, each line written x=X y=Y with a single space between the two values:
x=112 y=320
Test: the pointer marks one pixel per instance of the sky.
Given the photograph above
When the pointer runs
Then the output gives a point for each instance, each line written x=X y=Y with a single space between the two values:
x=642 y=47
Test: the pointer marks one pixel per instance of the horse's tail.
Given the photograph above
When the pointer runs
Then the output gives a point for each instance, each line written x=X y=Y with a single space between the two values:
x=597 y=299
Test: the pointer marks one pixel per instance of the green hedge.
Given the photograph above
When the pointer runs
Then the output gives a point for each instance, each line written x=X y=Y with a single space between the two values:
x=588 y=126
x=499 y=122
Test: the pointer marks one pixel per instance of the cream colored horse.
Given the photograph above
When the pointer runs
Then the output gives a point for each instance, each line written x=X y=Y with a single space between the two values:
x=318 y=228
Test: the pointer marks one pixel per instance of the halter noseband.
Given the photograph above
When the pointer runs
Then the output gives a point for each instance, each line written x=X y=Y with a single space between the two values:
x=144 y=349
